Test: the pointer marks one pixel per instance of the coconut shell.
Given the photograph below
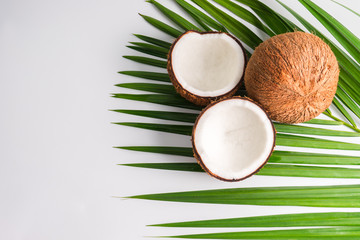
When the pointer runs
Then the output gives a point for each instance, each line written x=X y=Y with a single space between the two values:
x=196 y=99
x=293 y=76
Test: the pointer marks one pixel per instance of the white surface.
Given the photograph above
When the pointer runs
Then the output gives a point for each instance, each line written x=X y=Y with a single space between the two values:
x=58 y=172
x=234 y=138
x=208 y=65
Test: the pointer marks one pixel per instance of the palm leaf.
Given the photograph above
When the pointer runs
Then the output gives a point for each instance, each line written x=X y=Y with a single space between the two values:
x=147 y=61
x=174 y=17
x=198 y=20
x=245 y=15
x=178 y=129
x=237 y=28
x=312 y=158
x=276 y=157
x=163 y=77
x=149 y=87
x=338 y=105
x=190 y=117
x=275 y=21
x=282 y=220
x=149 y=49
x=323 y=122
x=169 y=100
x=178 y=151
x=174 y=116
x=287 y=128
x=347 y=8
x=345 y=196
x=269 y=169
x=162 y=26
x=348 y=101
x=336 y=233
x=281 y=139
x=205 y=19
x=154 y=41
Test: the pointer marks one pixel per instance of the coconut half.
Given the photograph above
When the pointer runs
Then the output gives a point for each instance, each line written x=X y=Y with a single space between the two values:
x=206 y=66
x=233 y=138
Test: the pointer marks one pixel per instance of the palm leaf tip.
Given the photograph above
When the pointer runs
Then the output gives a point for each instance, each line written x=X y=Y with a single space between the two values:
x=296 y=234
x=282 y=220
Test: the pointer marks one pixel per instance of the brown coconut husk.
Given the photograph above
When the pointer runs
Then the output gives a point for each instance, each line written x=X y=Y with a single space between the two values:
x=198 y=157
x=196 y=99
x=293 y=76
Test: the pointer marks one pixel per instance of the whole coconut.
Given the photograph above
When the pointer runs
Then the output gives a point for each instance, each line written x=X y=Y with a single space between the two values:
x=293 y=76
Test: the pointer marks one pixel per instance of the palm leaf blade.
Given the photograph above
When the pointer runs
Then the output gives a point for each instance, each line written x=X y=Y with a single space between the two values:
x=234 y=26
x=312 y=196
x=204 y=18
x=269 y=169
x=162 y=26
x=338 y=105
x=338 y=233
x=245 y=15
x=163 y=77
x=174 y=17
x=170 y=100
x=149 y=87
x=149 y=49
x=148 y=61
x=178 y=129
x=313 y=131
x=190 y=117
x=282 y=220
x=154 y=41
x=178 y=151
x=275 y=21
x=323 y=122
x=276 y=157
x=174 y=116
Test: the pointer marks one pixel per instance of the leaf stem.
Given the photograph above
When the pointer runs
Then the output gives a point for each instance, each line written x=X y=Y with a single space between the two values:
x=343 y=122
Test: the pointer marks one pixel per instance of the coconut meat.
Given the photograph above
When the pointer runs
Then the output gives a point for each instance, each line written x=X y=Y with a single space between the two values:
x=234 y=138
x=209 y=64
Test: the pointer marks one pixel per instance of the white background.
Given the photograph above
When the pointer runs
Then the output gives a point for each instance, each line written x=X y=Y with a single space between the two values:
x=58 y=170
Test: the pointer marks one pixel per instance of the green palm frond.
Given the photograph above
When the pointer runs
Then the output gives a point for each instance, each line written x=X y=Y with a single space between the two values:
x=234 y=26
x=205 y=20
x=281 y=220
x=174 y=17
x=210 y=15
x=276 y=157
x=284 y=170
x=147 y=61
x=163 y=77
x=154 y=41
x=335 y=233
x=347 y=8
x=344 y=196
x=162 y=26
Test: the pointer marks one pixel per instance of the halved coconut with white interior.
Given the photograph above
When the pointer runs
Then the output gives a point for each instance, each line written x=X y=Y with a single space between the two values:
x=206 y=66
x=233 y=138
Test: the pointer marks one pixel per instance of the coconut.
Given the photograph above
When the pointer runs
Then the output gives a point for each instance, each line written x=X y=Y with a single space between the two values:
x=206 y=66
x=293 y=76
x=233 y=138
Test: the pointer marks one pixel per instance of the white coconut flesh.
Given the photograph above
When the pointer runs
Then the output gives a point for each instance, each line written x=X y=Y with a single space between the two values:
x=233 y=138
x=209 y=64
